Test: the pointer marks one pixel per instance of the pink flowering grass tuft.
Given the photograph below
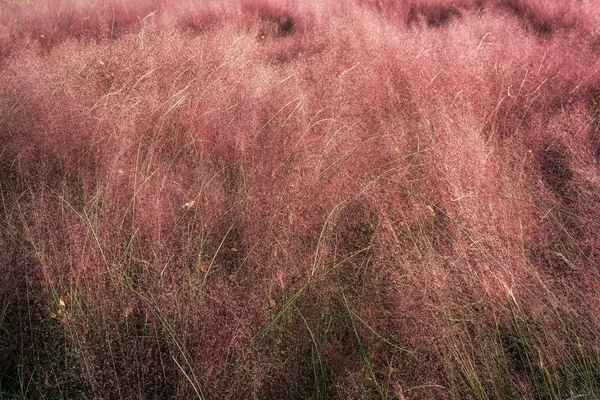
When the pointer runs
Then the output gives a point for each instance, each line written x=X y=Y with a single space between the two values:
x=263 y=199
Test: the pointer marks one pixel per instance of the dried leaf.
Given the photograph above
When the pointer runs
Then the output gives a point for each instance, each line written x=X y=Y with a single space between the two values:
x=202 y=266
x=59 y=316
x=189 y=204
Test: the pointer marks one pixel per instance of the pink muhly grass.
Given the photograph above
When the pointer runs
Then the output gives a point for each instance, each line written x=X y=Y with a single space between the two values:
x=269 y=200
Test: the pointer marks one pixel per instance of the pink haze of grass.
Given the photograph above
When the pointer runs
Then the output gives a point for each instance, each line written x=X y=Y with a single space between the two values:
x=265 y=200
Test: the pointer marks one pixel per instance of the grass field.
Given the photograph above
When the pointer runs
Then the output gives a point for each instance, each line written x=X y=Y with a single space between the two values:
x=353 y=199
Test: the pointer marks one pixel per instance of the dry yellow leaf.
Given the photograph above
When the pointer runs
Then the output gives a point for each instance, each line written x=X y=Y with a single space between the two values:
x=59 y=316
x=202 y=266
x=189 y=204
